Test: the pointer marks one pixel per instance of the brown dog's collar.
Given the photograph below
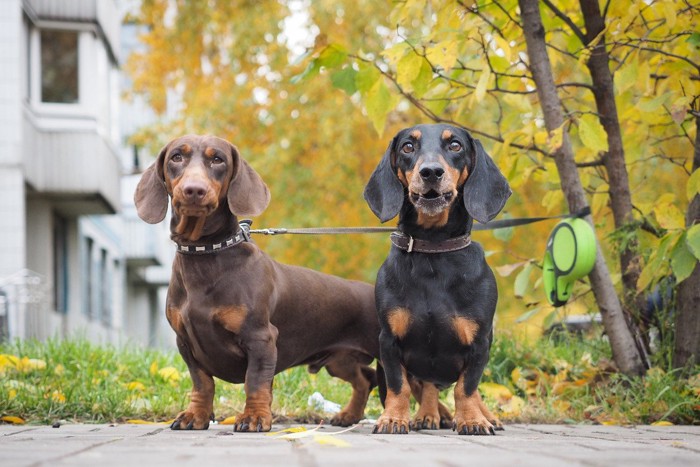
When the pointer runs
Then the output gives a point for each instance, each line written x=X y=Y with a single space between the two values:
x=240 y=237
x=410 y=244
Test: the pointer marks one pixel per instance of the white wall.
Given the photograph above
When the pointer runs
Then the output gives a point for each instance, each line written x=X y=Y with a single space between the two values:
x=12 y=228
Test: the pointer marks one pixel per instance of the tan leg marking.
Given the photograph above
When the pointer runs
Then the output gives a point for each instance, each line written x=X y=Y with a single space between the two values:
x=399 y=321
x=428 y=415
x=469 y=419
x=174 y=318
x=466 y=329
x=231 y=317
x=396 y=415
x=257 y=415
x=201 y=408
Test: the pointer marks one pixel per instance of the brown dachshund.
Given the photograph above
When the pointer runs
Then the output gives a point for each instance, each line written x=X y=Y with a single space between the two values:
x=239 y=315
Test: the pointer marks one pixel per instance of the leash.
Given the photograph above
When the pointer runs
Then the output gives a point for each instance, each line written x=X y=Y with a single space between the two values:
x=493 y=225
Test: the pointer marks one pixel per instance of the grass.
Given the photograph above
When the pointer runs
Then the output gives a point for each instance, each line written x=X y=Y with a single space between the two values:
x=551 y=381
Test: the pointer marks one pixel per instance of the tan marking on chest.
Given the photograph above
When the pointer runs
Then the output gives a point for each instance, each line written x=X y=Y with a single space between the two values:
x=429 y=222
x=174 y=317
x=399 y=320
x=466 y=329
x=231 y=317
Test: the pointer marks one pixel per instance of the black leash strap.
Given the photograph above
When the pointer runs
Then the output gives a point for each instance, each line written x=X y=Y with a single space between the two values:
x=493 y=225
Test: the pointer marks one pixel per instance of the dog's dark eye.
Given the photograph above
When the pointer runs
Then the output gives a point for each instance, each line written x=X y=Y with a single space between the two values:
x=455 y=146
x=217 y=160
x=176 y=157
x=407 y=148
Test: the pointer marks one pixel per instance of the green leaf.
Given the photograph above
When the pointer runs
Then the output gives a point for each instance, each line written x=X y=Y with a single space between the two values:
x=522 y=281
x=331 y=57
x=549 y=319
x=504 y=235
x=310 y=71
x=682 y=261
x=366 y=77
x=657 y=265
x=692 y=239
x=423 y=80
x=345 y=79
x=651 y=105
x=693 y=186
x=527 y=315
x=407 y=70
x=626 y=77
x=378 y=103
x=592 y=133
x=694 y=39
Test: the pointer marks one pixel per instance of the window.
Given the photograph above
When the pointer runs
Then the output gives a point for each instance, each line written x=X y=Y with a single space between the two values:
x=59 y=66
x=106 y=289
x=60 y=264
x=88 y=279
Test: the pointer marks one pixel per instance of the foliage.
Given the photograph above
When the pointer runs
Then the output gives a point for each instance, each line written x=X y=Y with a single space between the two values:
x=558 y=380
x=238 y=69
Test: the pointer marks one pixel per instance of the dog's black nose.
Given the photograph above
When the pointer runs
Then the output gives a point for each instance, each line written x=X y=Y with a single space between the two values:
x=431 y=172
x=194 y=191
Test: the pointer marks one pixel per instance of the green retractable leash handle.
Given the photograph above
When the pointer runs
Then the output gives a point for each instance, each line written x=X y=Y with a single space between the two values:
x=569 y=256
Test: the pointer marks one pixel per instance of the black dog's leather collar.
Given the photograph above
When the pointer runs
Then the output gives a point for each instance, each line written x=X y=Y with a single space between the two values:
x=410 y=244
x=213 y=248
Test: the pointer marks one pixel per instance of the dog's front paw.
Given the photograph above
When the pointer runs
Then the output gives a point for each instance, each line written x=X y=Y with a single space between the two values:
x=476 y=425
x=192 y=419
x=426 y=420
x=345 y=418
x=253 y=421
x=388 y=424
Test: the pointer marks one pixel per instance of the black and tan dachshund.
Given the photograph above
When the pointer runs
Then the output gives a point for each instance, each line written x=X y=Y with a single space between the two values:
x=435 y=294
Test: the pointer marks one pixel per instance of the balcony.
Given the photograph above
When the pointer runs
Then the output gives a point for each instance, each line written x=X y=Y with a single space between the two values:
x=79 y=170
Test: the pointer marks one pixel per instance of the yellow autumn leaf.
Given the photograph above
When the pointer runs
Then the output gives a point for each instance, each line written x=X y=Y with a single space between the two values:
x=669 y=216
x=169 y=373
x=327 y=440
x=230 y=421
x=294 y=429
x=12 y=419
x=480 y=91
x=443 y=54
x=135 y=421
x=692 y=187
x=662 y=423
x=153 y=368
x=513 y=407
x=592 y=133
x=561 y=406
x=555 y=138
x=495 y=391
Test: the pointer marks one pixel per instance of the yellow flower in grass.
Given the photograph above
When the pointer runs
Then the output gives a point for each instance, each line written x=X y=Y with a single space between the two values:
x=56 y=396
x=135 y=386
x=170 y=374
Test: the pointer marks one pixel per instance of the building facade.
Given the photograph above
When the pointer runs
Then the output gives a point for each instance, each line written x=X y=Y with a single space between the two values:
x=73 y=258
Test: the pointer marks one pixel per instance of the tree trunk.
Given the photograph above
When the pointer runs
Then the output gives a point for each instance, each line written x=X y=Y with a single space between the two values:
x=614 y=160
x=687 y=347
x=624 y=349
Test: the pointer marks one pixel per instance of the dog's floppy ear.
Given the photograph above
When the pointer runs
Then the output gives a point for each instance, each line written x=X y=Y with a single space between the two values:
x=486 y=190
x=248 y=195
x=384 y=192
x=151 y=197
